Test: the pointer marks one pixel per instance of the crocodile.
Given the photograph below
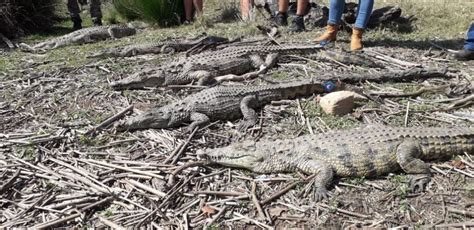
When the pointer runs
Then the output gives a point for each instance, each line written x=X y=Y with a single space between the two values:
x=203 y=68
x=81 y=36
x=224 y=103
x=167 y=47
x=361 y=152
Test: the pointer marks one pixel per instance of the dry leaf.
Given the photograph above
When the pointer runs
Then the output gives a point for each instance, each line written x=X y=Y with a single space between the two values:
x=458 y=164
x=208 y=210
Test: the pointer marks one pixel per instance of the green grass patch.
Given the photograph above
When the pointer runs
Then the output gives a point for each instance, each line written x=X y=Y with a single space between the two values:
x=161 y=12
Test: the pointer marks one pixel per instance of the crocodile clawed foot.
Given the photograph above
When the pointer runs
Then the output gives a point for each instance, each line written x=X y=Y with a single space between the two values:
x=244 y=125
x=419 y=183
x=190 y=129
x=120 y=126
x=320 y=194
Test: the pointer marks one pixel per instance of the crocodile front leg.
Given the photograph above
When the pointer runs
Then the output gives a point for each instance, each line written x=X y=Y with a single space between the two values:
x=248 y=113
x=408 y=153
x=324 y=175
x=198 y=120
x=270 y=61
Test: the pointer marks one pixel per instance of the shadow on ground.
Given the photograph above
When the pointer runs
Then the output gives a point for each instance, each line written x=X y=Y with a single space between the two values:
x=414 y=44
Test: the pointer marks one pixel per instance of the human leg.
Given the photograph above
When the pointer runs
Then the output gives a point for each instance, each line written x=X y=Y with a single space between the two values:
x=281 y=18
x=469 y=43
x=73 y=8
x=363 y=15
x=336 y=8
x=468 y=52
x=198 y=5
x=297 y=24
x=364 y=12
x=188 y=10
x=96 y=13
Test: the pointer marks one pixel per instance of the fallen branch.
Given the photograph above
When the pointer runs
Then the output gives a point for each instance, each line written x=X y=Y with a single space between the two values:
x=280 y=193
x=10 y=182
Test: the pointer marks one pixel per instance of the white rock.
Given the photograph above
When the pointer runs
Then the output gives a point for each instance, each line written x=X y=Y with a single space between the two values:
x=340 y=102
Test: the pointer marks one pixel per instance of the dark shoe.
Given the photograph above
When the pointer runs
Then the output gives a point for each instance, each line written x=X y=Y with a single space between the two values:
x=464 y=55
x=281 y=19
x=97 y=21
x=77 y=23
x=297 y=25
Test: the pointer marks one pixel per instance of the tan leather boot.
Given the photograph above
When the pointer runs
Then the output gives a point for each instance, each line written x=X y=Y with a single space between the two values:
x=356 y=39
x=328 y=36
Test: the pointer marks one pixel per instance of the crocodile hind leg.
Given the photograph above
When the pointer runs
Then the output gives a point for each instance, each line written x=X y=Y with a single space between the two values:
x=324 y=175
x=198 y=120
x=249 y=114
x=408 y=153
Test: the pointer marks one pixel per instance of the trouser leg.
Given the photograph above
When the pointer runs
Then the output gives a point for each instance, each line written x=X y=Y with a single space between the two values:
x=96 y=13
x=73 y=8
x=364 y=12
x=469 y=43
x=336 y=8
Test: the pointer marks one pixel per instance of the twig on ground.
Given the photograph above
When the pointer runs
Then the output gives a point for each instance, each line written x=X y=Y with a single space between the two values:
x=345 y=211
x=280 y=193
x=183 y=167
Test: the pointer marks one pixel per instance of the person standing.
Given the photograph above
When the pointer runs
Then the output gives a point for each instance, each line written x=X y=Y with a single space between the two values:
x=468 y=52
x=281 y=18
x=74 y=11
x=336 y=9
x=188 y=9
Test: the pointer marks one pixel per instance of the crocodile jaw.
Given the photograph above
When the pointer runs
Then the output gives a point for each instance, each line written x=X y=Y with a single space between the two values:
x=139 y=81
x=230 y=157
x=147 y=120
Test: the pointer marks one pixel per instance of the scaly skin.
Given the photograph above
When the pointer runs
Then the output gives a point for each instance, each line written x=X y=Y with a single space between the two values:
x=363 y=152
x=81 y=36
x=160 y=47
x=222 y=103
x=204 y=67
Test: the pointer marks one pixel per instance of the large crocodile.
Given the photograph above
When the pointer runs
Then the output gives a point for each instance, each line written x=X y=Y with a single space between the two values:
x=81 y=36
x=160 y=47
x=363 y=152
x=203 y=68
x=224 y=103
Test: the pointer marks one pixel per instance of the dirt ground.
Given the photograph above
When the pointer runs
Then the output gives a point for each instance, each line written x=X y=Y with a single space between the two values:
x=52 y=169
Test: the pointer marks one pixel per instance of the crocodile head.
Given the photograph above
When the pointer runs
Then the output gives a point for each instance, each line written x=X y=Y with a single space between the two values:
x=144 y=79
x=241 y=155
x=157 y=118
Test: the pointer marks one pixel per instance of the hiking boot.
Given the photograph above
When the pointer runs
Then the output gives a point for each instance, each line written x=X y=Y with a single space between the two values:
x=356 y=39
x=281 y=19
x=464 y=55
x=297 y=25
x=328 y=36
x=97 y=21
x=76 y=23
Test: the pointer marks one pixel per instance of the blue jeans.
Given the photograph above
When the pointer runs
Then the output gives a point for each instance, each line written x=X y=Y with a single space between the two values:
x=469 y=44
x=336 y=8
